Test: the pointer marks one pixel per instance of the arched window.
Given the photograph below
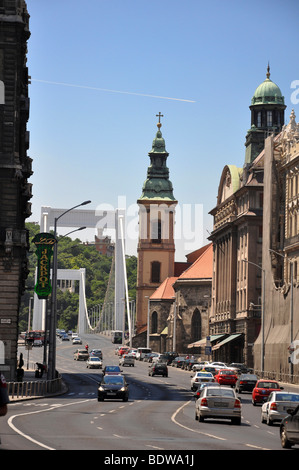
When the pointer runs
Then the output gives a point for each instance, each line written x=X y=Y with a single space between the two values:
x=156 y=268
x=196 y=325
x=154 y=323
x=269 y=119
x=259 y=119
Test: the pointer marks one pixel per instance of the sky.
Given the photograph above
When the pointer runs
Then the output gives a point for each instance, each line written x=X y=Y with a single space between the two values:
x=101 y=70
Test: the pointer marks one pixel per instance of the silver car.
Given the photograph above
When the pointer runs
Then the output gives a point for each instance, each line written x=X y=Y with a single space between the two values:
x=199 y=378
x=276 y=406
x=94 y=362
x=218 y=402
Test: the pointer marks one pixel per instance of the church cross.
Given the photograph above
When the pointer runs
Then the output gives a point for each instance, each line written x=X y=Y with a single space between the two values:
x=159 y=116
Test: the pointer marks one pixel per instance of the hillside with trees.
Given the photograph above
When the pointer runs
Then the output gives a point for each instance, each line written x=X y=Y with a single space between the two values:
x=73 y=254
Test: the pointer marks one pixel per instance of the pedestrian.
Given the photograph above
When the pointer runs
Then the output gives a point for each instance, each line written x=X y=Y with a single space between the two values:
x=3 y=395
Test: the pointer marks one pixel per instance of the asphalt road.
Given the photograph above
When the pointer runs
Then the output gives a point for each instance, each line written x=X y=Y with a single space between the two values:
x=159 y=416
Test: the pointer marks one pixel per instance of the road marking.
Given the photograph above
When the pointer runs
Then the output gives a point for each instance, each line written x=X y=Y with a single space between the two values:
x=173 y=419
x=26 y=436
x=257 y=447
x=154 y=447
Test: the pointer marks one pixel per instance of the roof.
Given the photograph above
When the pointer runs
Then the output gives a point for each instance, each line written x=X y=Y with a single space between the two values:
x=165 y=291
x=202 y=268
x=267 y=92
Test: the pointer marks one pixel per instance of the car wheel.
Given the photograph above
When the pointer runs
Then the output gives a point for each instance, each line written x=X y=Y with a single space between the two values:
x=269 y=421
x=201 y=418
x=262 y=418
x=125 y=399
x=285 y=443
x=196 y=416
x=236 y=421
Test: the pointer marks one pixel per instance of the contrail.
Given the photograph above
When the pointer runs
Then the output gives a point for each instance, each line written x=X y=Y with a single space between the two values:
x=111 y=91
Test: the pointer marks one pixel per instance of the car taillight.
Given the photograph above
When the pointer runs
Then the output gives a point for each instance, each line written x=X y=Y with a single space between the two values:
x=204 y=402
x=273 y=406
x=237 y=403
x=242 y=382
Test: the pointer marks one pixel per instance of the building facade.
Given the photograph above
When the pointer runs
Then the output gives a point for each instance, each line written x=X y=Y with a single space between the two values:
x=15 y=170
x=277 y=346
x=156 y=248
x=238 y=234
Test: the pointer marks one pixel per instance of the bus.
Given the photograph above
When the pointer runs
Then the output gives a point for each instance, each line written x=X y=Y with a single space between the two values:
x=141 y=353
x=32 y=335
x=117 y=337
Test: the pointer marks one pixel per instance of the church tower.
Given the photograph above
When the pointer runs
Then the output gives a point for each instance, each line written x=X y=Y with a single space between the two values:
x=267 y=117
x=156 y=246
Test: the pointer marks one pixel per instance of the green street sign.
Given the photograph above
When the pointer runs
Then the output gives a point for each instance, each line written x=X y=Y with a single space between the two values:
x=44 y=243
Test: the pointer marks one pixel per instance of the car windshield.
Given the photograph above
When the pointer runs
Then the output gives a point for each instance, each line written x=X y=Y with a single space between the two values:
x=113 y=379
x=95 y=359
x=248 y=377
x=227 y=372
x=204 y=374
x=268 y=385
x=112 y=369
x=220 y=392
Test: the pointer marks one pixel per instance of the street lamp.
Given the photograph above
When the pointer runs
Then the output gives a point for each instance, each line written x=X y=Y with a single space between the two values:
x=53 y=319
x=262 y=313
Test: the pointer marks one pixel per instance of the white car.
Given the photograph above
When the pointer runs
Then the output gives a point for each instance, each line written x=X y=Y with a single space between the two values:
x=127 y=360
x=277 y=405
x=94 y=362
x=218 y=402
x=199 y=378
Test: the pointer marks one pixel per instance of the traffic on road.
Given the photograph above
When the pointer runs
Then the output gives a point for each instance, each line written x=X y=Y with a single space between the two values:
x=150 y=406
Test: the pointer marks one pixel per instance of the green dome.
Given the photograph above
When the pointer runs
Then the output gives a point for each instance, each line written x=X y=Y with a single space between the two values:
x=267 y=93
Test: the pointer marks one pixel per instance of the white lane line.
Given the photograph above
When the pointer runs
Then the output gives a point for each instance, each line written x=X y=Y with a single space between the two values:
x=173 y=419
x=26 y=436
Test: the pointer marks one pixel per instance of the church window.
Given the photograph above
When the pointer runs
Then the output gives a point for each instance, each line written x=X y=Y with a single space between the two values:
x=269 y=118
x=259 y=119
x=154 y=323
x=156 y=268
x=156 y=231
x=196 y=326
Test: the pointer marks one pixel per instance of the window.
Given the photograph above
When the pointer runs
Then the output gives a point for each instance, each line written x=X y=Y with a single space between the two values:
x=156 y=267
x=259 y=119
x=154 y=323
x=196 y=326
x=156 y=231
x=269 y=119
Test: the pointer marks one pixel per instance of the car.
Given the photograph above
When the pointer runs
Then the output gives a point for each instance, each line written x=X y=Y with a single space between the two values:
x=218 y=402
x=112 y=370
x=122 y=350
x=150 y=357
x=96 y=352
x=221 y=365
x=200 y=365
x=241 y=368
x=289 y=429
x=77 y=340
x=262 y=390
x=158 y=368
x=94 y=362
x=278 y=406
x=127 y=360
x=188 y=364
x=74 y=335
x=201 y=377
x=65 y=337
x=113 y=387
x=226 y=377
x=81 y=354
x=178 y=361
x=245 y=383
x=37 y=343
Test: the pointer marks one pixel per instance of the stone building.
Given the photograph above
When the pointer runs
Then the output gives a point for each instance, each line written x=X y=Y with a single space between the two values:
x=277 y=347
x=15 y=169
x=179 y=308
x=237 y=234
x=156 y=248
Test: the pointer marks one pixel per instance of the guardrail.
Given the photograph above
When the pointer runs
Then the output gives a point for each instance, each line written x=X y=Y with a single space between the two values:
x=35 y=388
x=279 y=376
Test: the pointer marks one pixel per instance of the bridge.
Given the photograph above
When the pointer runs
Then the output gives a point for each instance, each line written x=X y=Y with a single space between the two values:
x=110 y=315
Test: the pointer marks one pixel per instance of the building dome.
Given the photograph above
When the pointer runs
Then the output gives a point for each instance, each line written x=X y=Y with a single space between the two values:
x=267 y=92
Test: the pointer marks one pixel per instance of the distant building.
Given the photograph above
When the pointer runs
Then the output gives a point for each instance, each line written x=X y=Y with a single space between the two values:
x=15 y=170
x=103 y=244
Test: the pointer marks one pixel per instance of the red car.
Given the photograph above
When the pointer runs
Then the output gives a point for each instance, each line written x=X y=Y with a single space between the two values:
x=262 y=390
x=226 y=377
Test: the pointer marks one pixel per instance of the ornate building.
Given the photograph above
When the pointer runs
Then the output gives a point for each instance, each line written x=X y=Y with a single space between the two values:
x=276 y=348
x=156 y=247
x=238 y=234
x=15 y=169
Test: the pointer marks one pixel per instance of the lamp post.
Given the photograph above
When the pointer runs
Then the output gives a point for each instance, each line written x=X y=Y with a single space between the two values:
x=291 y=302
x=262 y=313
x=53 y=317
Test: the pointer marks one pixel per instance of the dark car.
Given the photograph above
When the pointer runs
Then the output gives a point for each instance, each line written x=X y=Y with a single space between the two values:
x=289 y=429
x=178 y=361
x=112 y=370
x=158 y=368
x=189 y=363
x=241 y=368
x=113 y=387
x=245 y=383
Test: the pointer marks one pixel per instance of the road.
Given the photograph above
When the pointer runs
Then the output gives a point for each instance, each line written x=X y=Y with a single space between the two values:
x=158 y=417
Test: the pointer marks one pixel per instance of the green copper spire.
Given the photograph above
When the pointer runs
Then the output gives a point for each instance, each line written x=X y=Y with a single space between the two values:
x=157 y=185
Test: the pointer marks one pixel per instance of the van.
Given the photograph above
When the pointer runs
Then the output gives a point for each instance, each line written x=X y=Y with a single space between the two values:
x=141 y=353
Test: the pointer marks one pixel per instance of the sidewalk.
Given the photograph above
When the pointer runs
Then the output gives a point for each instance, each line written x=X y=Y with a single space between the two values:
x=32 y=387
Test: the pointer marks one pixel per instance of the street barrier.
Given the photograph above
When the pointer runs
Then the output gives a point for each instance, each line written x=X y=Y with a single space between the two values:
x=35 y=388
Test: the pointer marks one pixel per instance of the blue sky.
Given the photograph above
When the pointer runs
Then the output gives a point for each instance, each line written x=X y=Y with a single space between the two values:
x=102 y=69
